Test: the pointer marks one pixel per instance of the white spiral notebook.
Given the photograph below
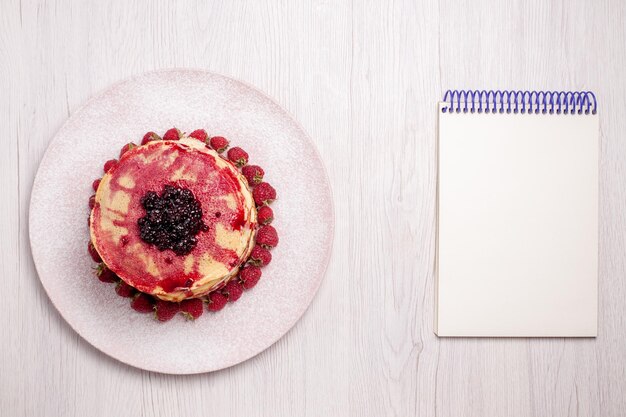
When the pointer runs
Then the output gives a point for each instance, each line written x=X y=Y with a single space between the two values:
x=517 y=221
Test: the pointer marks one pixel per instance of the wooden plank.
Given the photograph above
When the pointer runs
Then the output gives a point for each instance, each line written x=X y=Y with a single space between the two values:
x=363 y=79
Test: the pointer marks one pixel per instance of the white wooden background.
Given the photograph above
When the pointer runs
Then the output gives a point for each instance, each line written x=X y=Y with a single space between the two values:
x=363 y=78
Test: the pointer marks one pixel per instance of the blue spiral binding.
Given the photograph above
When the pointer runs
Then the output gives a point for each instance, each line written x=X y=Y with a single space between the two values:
x=509 y=101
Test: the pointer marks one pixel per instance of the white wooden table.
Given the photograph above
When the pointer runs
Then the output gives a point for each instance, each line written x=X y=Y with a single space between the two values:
x=363 y=78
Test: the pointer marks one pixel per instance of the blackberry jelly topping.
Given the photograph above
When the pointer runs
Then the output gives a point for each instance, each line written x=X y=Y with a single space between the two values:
x=172 y=220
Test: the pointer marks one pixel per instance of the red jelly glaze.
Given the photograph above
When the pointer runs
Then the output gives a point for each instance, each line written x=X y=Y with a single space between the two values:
x=153 y=178
x=237 y=221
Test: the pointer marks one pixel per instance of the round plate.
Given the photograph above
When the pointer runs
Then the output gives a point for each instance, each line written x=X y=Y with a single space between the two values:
x=189 y=100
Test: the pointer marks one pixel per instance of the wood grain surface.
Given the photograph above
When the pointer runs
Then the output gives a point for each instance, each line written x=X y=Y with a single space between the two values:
x=363 y=78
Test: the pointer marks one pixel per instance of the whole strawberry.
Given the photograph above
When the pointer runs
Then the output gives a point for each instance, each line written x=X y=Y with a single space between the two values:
x=233 y=290
x=199 y=134
x=267 y=237
x=192 y=308
x=95 y=184
x=124 y=290
x=260 y=256
x=237 y=156
x=265 y=215
x=127 y=148
x=93 y=252
x=217 y=301
x=263 y=194
x=218 y=144
x=149 y=137
x=110 y=164
x=253 y=173
x=165 y=310
x=142 y=303
x=92 y=201
x=104 y=274
x=249 y=276
x=172 y=134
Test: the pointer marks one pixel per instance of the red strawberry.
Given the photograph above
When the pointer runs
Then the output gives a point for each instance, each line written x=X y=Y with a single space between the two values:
x=165 y=310
x=263 y=194
x=192 y=308
x=95 y=184
x=237 y=156
x=149 y=137
x=105 y=274
x=218 y=144
x=233 y=291
x=124 y=290
x=142 y=303
x=267 y=237
x=253 y=173
x=127 y=148
x=92 y=201
x=93 y=252
x=172 y=134
x=199 y=134
x=265 y=215
x=249 y=276
x=110 y=164
x=260 y=256
x=217 y=301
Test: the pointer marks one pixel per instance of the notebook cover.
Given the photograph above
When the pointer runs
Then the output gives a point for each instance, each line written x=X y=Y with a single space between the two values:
x=517 y=235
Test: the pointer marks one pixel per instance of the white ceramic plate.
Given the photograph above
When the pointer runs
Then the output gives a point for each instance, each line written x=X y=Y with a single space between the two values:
x=187 y=99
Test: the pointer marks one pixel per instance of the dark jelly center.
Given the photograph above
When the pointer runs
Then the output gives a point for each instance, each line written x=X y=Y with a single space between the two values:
x=172 y=220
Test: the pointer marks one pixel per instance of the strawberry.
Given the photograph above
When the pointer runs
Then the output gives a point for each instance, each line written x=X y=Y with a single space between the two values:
x=127 y=148
x=263 y=194
x=149 y=137
x=233 y=291
x=265 y=215
x=249 y=276
x=92 y=201
x=217 y=301
x=165 y=310
x=218 y=144
x=192 y=308
x=172 y=134
x=142 y=303
x=237 y=156
x=95 y=184
x=260 y=256
x=104 y=274
x=110 y=164
x=253 y=173
x=93 y=252
x=124 y=290
x=199 y=134
x=267 y=237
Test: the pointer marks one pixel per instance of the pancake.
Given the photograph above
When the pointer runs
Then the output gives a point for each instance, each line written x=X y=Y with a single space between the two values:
x=174 y=219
